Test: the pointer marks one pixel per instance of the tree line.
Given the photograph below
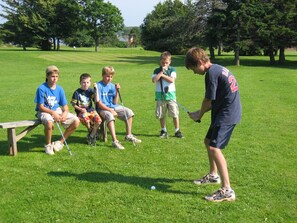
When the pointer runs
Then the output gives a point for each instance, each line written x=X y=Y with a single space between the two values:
x=45 y=23
x=245 y=27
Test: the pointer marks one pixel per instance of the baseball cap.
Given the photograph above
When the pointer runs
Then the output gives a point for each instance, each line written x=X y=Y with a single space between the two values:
x=51 y=68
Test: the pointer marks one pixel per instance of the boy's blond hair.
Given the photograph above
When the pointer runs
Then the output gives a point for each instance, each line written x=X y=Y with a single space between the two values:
x=165 y=55
x=194 y=55
x=108 y=70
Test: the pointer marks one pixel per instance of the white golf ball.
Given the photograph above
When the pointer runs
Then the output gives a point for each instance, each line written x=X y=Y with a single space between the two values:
x=153 y=188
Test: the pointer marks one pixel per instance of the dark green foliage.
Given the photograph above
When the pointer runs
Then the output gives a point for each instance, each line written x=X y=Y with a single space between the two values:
x=163 y=29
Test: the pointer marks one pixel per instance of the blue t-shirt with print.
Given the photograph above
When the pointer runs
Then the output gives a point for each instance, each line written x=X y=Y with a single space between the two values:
x=50 y=98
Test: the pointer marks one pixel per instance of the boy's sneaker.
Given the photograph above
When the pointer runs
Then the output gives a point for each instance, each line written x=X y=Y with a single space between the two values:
x=49 y=149
x=91 y=139
x=221 y=195
x=208 y=179
x=178 y=134
x=132 y=138
x=163 y=134
x=57 y=146
x=118 y=145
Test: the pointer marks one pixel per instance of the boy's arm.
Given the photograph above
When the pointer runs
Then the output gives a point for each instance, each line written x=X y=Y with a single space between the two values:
x=65 y=110
x=161 y=74
x=116 y=97
x=205 y=107
x=168 y=78
x=102 y=106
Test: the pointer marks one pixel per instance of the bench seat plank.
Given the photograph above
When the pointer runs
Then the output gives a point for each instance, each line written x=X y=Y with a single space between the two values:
x=12 y=137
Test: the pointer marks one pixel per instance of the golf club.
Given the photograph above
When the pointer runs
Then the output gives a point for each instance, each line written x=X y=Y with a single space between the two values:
x=178 y=104
x=118 y=90
x=70 y=153
x=57 y=123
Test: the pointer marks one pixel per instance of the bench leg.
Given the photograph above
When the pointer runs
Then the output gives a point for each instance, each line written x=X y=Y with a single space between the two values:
x=12 y=141
x=102 y=131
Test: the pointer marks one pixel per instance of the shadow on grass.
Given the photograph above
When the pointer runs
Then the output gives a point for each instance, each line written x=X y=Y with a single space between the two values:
x=35 y=143
x=178 y=61
x=161 y=184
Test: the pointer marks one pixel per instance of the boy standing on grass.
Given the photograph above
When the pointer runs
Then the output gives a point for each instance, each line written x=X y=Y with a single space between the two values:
x=82 y=103
x=164 y=77
x=222 y=98
x=51 y=106
x=109 y=109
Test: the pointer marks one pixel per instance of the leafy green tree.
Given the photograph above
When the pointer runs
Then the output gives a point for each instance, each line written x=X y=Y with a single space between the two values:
x=163 y=28
x=16 y=29
x=101 y=19
x=65 y=21
x=267 y=24
x=40 y=22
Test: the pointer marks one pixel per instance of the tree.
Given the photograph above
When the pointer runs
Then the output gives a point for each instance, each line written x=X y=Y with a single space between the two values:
x=164 y=28
x=16 y=29
x=39 y=21
x=65 y=21
x=101 y=19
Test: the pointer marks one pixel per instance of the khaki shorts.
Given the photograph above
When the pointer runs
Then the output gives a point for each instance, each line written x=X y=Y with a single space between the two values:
x=46 y=117
x=120 y=110
x=163 y=106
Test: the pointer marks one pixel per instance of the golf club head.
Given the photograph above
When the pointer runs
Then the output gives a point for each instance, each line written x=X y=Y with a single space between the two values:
x=166 y=89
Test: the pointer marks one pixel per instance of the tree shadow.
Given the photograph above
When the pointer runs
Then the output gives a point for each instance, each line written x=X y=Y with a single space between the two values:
x=161 y=184
x=178 y=61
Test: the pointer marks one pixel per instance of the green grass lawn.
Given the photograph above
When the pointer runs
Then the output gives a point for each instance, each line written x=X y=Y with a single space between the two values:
x=102 y=184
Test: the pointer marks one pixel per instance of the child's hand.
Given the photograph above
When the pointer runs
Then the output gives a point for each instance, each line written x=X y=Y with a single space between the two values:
x=118 y=86
x=164 y=69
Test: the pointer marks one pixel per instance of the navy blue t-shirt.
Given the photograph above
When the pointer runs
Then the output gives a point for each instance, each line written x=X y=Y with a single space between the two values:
x=222 y=88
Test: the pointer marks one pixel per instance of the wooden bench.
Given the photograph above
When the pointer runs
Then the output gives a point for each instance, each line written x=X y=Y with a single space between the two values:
x=13 y=138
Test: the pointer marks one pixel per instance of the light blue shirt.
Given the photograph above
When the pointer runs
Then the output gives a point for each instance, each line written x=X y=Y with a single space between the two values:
x=107 y=93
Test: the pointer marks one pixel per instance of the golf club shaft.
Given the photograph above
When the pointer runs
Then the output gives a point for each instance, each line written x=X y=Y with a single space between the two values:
x=65 y=142
x=59 y=129
x=183 y=108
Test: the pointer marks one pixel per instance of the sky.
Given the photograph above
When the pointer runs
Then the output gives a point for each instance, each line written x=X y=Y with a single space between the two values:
x=134 y=11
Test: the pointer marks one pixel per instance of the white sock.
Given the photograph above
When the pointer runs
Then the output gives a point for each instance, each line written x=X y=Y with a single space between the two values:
x=164 y=129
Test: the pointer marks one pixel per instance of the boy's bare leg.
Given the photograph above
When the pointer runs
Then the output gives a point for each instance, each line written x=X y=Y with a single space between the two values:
x=48 y=131
x=95 y=128
x=129 y=126
x=176 y=122
x=212 y=165
x=70 y=129
x=111 y=128
x=221 y=164
x=163 y=122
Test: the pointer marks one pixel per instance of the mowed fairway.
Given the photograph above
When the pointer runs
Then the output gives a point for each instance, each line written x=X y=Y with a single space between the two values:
x=102 y=184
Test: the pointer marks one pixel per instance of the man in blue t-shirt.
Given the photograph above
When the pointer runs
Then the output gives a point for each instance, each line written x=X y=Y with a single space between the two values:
x=222 y=98
x=51 y=106
x=109 y=109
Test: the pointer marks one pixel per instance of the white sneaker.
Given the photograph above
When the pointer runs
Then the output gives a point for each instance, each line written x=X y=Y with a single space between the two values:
x=49 y=149
x=208 y=179
x=57 y=146
x=132 y=138
x=222 y=195
x=117 y=145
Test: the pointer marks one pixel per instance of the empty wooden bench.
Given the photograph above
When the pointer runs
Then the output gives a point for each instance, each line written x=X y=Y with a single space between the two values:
x=13 y=138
